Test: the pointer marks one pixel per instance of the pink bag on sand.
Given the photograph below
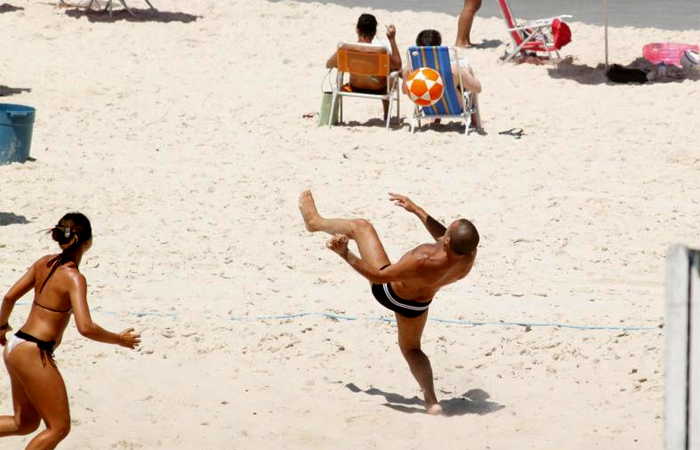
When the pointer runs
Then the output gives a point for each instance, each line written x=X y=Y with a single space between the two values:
x=666 y=52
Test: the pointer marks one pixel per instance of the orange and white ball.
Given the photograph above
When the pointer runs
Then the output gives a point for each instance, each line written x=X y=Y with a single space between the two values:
x=424 y=86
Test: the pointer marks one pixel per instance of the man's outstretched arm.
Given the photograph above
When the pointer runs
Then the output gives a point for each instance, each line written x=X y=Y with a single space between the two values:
x=405 y=268
x=435 y=228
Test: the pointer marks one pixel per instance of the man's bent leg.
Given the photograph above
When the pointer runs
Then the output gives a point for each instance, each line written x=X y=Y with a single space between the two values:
x=410 y=333
x=364 y=234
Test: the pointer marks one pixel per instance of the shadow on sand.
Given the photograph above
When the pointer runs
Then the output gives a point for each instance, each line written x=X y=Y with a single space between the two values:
x=474 y=401
x=488 y=43
x=142 y=15
x=6 y=8
x=7 y=91
x=11 y=219
x=584 y=74
x=445 y=126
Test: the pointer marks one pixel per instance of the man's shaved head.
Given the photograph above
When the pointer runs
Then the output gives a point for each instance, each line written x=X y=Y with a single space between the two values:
x=464 y=237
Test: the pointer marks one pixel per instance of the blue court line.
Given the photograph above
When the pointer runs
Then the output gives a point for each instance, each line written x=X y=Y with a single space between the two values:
x=387 y=320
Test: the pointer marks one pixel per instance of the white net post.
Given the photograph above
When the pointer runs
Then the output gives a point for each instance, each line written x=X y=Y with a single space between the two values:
x=682 y=349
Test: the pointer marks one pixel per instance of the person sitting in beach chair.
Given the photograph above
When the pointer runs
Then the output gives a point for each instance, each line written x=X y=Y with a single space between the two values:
x=367 y=42
x=429 y=53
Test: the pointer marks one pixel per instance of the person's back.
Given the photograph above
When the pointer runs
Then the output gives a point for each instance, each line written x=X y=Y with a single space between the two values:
x=51 y=309
x=438 y=269
x=363 y=54
x=366 y=31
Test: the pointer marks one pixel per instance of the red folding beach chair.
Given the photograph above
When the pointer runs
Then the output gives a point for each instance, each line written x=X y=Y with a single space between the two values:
x=535 y=36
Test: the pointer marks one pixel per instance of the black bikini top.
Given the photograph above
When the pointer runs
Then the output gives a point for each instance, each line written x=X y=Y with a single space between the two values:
x=54 y=263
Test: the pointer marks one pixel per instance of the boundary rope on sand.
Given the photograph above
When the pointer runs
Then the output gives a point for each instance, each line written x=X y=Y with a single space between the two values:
x=340 y=317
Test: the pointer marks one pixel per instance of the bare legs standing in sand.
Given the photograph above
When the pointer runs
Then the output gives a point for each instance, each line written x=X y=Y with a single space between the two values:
x=407 y=287
x=464 y=24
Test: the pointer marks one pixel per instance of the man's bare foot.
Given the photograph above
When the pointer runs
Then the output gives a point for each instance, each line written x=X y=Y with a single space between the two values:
x=307 y=206
x=434 y=410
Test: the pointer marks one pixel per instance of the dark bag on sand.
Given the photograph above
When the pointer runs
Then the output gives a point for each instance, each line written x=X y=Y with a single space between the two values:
x=619 y=74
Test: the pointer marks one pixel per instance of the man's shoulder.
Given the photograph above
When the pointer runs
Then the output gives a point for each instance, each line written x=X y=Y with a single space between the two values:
x=429 y=255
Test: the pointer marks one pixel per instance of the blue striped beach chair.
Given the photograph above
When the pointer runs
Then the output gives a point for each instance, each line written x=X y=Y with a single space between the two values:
x=450 y=106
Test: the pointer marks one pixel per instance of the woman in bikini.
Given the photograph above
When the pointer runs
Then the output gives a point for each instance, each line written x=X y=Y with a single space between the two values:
x=38 y=391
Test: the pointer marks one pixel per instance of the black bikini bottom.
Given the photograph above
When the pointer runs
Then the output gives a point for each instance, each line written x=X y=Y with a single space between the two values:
x=45 y=347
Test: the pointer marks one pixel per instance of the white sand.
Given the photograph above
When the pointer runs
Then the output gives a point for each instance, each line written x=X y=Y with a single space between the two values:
x=185 y=145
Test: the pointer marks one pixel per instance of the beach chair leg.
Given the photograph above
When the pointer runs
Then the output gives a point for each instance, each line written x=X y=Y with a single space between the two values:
x=467 y=113
x=549 y=52
x=398 y=104
x=330 y=115
x=127 y=8
x=520 y=48
x=388 y=112
x=151 y=6
x=477 y=113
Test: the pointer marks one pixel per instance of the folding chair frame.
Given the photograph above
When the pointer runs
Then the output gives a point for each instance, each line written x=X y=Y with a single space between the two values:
x=108 y=6
x=469 y=102
x=538 y=36
x=392 y=92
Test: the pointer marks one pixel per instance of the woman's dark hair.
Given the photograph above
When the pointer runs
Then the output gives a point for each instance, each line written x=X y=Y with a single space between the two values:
x=71 y=231
x=367 y=25
x=429 y=38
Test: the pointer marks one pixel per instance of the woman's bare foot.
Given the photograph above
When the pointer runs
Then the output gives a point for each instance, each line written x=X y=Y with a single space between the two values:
x=434 y=409
x=307 y=206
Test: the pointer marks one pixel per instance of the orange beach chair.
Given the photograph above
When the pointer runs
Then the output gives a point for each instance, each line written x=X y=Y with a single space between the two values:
x=370 y=60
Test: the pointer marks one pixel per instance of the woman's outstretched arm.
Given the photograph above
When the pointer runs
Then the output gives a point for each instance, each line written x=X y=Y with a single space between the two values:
x=83 y=320
x=17 y=291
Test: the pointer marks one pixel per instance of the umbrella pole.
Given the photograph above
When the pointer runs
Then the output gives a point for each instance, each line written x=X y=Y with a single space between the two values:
x=605 y=20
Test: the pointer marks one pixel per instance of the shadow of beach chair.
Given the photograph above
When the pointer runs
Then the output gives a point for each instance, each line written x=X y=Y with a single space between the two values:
x=364 y=60
x=535 y=36
x=456 y=102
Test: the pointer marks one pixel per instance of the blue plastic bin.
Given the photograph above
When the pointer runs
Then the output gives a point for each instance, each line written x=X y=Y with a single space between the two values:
x=16 y=125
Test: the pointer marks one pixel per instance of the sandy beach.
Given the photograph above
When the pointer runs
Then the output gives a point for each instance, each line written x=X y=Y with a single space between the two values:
x=182 y=137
